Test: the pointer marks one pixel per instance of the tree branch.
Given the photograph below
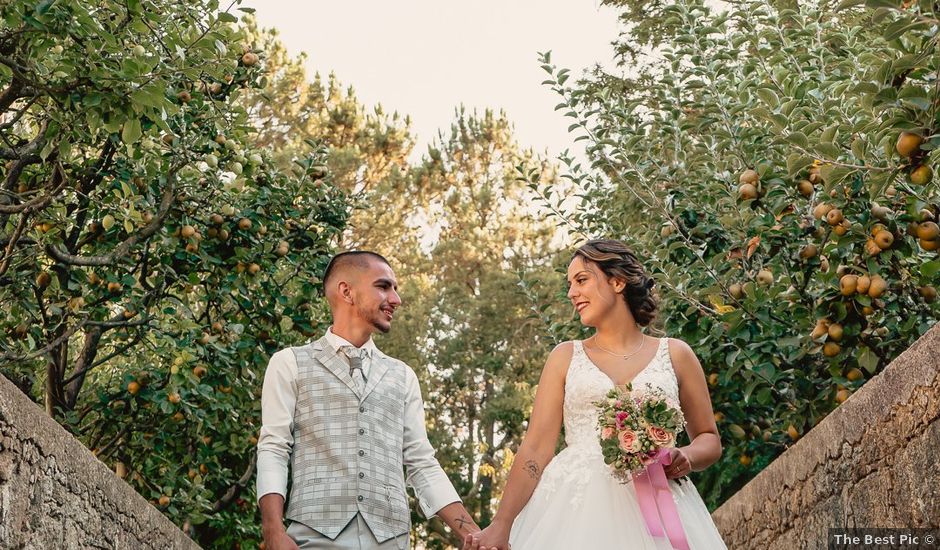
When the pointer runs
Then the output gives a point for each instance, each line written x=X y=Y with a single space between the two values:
x=103 y=451
x=121 y=250
x=19 y=114
x=118 y=351
x=42 y=201
x=11 y=244
x=235 y=489
x=79 y=211
x=73 y=385
x=11 y=94
x=8 y=357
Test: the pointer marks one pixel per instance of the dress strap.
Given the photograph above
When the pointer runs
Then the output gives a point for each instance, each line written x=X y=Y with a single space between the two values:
x=665 y=360
x=578 y=357
x=663 y=350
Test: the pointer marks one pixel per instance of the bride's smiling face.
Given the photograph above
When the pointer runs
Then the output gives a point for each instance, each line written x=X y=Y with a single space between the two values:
x=592 y=293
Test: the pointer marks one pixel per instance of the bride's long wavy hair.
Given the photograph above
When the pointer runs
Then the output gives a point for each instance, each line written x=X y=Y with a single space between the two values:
x=617 y=260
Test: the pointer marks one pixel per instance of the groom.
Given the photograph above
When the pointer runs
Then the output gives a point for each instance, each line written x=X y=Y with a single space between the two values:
x=347 y=418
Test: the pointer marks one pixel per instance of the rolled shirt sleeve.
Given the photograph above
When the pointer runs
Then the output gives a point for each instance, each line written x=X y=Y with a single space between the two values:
x=278 y=400
x=424 y=473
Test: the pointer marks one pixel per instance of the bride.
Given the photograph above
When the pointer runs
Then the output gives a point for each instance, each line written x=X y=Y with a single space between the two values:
x=571 y=500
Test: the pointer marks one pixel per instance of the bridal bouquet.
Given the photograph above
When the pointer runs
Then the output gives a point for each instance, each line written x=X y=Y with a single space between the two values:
x=635 y=428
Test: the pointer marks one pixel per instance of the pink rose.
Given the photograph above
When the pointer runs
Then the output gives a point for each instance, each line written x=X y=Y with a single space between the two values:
x=659 y=436
x=621 y=416
x=607 y=432
x=628 y=441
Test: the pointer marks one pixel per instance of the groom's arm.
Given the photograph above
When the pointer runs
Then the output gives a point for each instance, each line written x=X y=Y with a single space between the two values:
x=436 y=494
x=458 y=519
x=276 y=441
x=272 y=523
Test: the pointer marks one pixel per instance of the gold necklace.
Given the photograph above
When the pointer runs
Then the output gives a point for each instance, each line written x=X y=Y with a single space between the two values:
x=622 y=356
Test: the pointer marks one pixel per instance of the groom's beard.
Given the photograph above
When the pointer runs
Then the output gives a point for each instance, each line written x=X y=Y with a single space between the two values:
x=382 y=326
x=377 y=319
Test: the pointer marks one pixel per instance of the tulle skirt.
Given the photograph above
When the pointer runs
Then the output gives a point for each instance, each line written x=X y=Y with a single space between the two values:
x=579 y=504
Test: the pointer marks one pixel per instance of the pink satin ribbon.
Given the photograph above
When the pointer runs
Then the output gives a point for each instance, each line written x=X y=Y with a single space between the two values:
x=655 y=498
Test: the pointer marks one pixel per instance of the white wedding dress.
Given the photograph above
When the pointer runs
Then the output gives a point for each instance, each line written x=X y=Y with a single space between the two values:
x=578 y=504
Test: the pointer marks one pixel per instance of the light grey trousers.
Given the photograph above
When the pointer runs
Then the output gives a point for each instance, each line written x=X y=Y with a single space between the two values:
x=355 y=536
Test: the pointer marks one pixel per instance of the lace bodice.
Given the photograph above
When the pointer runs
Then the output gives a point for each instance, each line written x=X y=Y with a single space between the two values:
x=585 y=384
x=578 y=502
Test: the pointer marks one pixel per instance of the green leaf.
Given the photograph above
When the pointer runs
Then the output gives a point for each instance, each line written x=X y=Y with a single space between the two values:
x=882 y=3
x=829 y=134
x=920 y=103
x=797 y=162
x=799 y=139
x=769 y=97
x=828 y=151
x=930 y=269
x=132 y=131
x=859 y=148
x=42 y=7
x=846 y=4
x=767 y=371
x=867 y=359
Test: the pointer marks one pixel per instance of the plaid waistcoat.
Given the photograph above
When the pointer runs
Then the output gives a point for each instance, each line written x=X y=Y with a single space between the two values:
x=347 y=454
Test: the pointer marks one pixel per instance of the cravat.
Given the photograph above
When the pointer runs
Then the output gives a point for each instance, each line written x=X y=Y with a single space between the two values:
x=354 y=355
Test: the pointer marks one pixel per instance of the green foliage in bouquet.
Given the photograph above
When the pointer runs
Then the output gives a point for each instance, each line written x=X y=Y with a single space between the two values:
x=634 y=425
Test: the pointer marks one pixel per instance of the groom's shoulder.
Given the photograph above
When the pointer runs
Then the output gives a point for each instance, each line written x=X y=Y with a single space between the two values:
x=399 y=365
x=393 y=361
x=306 y=347
x=291 y=353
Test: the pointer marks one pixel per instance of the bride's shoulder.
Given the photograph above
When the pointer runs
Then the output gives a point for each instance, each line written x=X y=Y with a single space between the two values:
x=563 y=350
x=678 y=347
x=682 y=356
x=559 y=358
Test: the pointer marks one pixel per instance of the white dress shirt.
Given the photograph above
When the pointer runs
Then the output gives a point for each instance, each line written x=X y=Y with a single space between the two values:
x=279 y=398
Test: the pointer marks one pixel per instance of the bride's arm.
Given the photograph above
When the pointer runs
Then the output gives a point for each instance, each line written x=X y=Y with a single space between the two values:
x=705 y=447
x=536 y=451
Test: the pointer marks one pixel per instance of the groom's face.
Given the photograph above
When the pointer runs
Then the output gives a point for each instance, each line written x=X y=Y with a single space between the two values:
x=376 y=295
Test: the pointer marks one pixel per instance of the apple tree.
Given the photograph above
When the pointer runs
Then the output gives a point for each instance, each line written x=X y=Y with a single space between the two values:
x=773 y=163
x=152 y=254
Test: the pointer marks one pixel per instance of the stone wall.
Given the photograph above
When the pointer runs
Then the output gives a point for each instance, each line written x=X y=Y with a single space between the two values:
x=873 y=462
x=54 y=494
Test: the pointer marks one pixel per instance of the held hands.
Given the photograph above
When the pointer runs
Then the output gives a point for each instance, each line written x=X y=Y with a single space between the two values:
x=494 y=537
x=681 y=465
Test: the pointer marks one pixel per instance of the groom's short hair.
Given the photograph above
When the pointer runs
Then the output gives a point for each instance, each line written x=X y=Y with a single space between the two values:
x=353 y=258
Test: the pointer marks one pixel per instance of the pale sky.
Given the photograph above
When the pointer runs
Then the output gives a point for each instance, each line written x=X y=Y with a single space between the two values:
x=423 y=58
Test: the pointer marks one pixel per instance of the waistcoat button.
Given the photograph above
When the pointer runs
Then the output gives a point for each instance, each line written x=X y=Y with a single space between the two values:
x=359 y=498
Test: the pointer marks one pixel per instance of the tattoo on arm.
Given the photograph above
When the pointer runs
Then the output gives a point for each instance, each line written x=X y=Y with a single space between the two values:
x=464 y=522
x=532 y=468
